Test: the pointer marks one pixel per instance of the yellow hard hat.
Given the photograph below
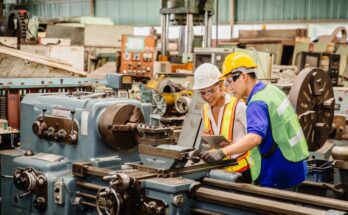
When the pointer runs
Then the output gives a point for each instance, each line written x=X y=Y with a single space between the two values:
x=236 y=60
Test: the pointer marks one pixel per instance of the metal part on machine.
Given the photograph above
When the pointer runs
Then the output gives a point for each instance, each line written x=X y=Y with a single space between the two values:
x=118 y=124
x=340 y=153
x=31 y=182
x=13 y=91
x=17 y=24
x=333 y=38
x=182 y=104
x=166 y=86
x=339 y=127
x=119 y=81
x=9 y=137
x=56 y=128
x=188 y=13
x=39 y=126
x=159 y=104
x=108 y=201
x=154 y=207
x=173 y=159
x=313 y=100
x=155 y=135
x=266 y=200
x=178 y=200
x=59 y=192
x=119 y=181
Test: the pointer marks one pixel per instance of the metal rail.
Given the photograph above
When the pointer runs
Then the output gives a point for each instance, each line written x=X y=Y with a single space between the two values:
x=280 y=194
x=260 y=204
x=88 y=185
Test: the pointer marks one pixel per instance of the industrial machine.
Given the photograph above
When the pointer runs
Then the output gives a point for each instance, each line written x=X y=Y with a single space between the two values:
x=329 y=62
x=137 y=56
x=83 y=154
x=329 y=53
x=184 y=14
x=264 y=60
x=341 y=114
x=21 y=24
x=9 y=137
x=169 y=98
x=65 y=128
x=12 y=91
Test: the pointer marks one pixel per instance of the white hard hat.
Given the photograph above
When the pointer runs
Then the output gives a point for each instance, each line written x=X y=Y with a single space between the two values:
x=206 y=75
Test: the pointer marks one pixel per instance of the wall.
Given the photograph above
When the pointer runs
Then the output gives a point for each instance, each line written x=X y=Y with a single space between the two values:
x=146 y=12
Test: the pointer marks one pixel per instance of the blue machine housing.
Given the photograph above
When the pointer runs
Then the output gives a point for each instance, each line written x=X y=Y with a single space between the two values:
x=53 y=159
x=90 y=144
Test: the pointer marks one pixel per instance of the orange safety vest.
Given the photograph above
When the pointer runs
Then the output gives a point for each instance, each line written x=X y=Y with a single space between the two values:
x=226 y=130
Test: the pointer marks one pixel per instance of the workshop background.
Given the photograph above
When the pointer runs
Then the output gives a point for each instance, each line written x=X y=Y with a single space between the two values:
x=98 y=114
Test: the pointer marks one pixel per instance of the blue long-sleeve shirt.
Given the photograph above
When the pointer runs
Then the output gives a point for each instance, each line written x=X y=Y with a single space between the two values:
x=276 y=170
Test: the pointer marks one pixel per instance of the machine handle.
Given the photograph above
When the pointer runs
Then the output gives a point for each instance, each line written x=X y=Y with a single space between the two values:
x=21 y=196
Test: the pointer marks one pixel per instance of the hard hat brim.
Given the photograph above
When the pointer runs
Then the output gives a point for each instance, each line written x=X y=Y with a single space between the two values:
x=248 y=70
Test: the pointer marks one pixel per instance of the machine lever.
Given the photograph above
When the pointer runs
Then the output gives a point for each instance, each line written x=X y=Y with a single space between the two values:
x=42 y=119
x=6 y=176
x=73 y=134
x=72 y=121
x=21 y=196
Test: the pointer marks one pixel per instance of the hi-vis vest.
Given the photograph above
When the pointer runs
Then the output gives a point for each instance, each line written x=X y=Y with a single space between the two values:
x=226 y=130
x=286 y=129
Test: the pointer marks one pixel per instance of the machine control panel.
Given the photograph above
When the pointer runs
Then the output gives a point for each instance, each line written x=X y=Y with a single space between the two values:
x=58 y=129
x=328 y=62
x=137 y=55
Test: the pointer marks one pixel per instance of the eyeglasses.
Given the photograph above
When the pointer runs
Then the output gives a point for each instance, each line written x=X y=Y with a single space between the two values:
x=233 y=78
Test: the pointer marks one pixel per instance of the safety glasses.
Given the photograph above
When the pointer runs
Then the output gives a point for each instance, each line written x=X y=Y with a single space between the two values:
x=233 y=78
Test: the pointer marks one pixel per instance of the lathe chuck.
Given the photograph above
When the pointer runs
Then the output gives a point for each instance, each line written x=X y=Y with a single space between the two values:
x=120 y=115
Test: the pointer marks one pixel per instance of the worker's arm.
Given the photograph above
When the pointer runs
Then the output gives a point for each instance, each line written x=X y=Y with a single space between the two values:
x=241 y=118
x=258 y=124
x=243 y=145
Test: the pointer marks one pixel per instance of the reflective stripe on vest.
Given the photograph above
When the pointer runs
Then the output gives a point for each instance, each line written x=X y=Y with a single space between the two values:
x=286 y=129
x=226 y=130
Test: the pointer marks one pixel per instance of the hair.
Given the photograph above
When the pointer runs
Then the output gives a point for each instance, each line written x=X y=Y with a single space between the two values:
x=252 y=75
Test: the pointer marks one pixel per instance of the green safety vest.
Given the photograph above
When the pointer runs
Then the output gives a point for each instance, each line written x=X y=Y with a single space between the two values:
x=286 y=129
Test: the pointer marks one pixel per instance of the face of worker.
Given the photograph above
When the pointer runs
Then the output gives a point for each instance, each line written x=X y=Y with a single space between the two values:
x=237 y=84
x=212 y=94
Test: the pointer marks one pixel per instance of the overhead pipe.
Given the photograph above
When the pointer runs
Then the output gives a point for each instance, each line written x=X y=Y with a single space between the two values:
x=92 y=7
x=232 y=20
x=189 y=33
x=206 y=29
x=217 y=23
x=164 y=34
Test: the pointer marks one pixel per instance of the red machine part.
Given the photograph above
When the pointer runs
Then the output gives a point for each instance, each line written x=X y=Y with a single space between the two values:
x=137 y=56
x=10 y=100
x=13 y=102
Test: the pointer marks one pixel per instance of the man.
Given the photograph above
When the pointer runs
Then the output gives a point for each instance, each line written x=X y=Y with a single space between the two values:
x=274 y=135
x=221 y=113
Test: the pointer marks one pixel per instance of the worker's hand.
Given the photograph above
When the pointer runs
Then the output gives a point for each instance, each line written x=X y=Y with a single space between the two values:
x=213 y=156
x=205 y=133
